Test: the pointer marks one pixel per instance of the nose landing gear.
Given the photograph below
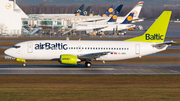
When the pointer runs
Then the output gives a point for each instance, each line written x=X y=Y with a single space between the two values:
x=24 y=64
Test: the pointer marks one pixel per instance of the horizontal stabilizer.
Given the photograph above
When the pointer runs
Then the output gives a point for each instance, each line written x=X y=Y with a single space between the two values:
x=164 y=43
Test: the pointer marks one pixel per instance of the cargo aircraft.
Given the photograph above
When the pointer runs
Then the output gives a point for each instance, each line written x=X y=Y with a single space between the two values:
x=73 y=52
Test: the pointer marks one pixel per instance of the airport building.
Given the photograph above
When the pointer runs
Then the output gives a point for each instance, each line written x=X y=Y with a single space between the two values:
x=11 y=18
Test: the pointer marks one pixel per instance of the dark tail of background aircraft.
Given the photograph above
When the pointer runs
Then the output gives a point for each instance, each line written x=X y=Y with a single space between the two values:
x=86 y=12
x=118 y=9
x=80 y=9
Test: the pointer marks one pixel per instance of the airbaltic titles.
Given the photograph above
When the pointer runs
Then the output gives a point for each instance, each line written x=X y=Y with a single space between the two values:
x=50 y=46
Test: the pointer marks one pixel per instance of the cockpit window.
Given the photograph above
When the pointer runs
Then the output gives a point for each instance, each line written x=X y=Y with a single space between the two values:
x=16 y=47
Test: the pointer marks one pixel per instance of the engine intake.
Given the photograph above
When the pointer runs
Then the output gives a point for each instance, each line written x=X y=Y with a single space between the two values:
x=69 y=59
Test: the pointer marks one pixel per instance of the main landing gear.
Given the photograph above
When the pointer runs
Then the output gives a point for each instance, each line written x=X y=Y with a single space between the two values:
x=88 y=64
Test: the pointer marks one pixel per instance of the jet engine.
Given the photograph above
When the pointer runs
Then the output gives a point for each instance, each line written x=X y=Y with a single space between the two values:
x=69 y=59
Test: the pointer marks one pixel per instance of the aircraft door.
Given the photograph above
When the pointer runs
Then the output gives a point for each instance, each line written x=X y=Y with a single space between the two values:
x=30 y=48
x=79 y=48
x=137 y=49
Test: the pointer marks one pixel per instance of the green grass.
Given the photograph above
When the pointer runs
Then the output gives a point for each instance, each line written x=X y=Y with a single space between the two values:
x=90 y=88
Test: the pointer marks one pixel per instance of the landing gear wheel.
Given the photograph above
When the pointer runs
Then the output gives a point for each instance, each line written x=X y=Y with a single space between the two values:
x=88 y=64
x=24 y=64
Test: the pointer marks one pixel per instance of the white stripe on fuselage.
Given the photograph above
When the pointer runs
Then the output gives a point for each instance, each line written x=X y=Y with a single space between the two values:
x=54 y=48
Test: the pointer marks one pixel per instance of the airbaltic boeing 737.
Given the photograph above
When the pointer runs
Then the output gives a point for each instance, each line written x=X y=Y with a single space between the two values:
x=73 y=52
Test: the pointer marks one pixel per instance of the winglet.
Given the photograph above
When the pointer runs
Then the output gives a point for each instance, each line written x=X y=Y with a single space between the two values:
x=157 y=32
x=128 y=19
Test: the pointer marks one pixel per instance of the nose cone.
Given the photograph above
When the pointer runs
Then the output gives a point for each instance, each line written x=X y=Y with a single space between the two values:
x=7 y=52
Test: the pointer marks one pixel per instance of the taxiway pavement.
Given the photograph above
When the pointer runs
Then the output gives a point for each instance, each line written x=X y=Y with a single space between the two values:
x=94 y=70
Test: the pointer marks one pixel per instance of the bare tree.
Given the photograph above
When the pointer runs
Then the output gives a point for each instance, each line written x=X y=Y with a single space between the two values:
x=3 y=29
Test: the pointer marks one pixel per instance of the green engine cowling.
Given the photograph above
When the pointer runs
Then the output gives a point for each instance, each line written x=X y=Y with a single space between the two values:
x=69 y=59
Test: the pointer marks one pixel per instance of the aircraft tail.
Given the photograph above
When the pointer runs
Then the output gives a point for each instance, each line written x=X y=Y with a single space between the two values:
x=128 y=19
x=109 y=11
x=157 y=32
x=136 y=10
x=86 y=12
x=80 y=9
x=118 y=9
x=91 y=14
x=78 y=13
x=114 y=17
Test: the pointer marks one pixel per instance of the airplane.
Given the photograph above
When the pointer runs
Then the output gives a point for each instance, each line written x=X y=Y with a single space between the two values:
x=110 y=25
x=73 y=52
x=109 y=12
x=92 y=13
x=86 y=12
x=136 y=10
x=74 y=18
x=79 y=9
x=118 y=9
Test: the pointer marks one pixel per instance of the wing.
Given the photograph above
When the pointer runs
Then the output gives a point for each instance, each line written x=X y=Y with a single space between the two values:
x=95 y=20
x=96 y=29
x=92 y=56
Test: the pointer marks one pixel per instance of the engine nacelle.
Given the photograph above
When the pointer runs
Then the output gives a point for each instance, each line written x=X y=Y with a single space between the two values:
x=69 y=59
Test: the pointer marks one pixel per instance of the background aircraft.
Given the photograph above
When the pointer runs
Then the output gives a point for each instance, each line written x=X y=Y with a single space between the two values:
x=86 y=11
x=110 y=25
x=109 y=12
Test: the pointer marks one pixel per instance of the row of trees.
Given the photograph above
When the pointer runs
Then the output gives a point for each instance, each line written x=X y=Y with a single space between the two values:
x=45 y=8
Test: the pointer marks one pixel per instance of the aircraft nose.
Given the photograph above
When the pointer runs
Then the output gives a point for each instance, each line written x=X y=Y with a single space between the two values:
x=7 y=52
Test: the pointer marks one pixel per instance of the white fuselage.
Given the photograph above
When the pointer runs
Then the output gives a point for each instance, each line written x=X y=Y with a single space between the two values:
x=82 y=18
x=100 y=26
x=53 y=49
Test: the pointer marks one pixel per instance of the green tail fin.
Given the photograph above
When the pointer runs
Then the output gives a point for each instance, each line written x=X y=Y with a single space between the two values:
x=157 y=32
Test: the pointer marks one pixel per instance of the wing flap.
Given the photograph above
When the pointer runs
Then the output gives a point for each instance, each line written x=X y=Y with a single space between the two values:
x=92 y=56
